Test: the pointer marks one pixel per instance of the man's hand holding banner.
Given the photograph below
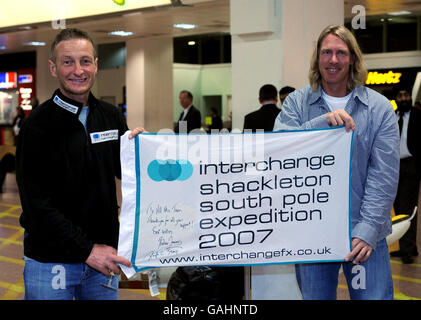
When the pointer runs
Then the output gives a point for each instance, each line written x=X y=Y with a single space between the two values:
x=235 y=199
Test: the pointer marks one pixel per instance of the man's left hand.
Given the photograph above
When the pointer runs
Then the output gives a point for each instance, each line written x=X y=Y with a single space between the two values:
x=361 y=251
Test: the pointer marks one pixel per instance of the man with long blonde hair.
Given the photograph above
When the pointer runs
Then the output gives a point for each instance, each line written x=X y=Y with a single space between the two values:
x=336 y=97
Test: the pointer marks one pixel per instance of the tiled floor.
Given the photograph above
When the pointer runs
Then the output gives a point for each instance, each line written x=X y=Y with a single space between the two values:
x=11 y=249
x=407 y=278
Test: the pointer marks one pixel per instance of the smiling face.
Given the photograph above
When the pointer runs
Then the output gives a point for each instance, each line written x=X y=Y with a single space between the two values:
x=334 y=65
x=75 y=66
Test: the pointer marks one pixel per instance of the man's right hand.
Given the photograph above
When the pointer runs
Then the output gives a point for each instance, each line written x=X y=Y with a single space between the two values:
x=136 y=131
x=104 y=259
x=339 y=118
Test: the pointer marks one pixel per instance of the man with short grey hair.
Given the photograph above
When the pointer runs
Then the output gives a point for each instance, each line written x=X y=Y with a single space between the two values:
x=67 y=159
x=191 y=118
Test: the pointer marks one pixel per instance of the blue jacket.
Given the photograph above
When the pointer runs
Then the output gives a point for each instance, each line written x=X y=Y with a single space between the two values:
x=375 y=157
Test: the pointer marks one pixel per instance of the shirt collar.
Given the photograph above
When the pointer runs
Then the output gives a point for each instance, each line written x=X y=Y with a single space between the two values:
x=358 y=92
x=71 y=105
x=361 y=94
x=315 y=95
x=188 y=108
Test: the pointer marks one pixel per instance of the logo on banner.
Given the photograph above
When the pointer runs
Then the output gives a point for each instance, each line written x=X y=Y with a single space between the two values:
x=170 y=170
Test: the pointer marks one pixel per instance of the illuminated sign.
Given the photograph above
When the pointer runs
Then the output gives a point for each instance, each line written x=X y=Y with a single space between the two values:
x=390 y=77
x=8 y=80
x=208 y=121
x=40 y=11
x=25 y=78
x=393 y=102
x=26 y=94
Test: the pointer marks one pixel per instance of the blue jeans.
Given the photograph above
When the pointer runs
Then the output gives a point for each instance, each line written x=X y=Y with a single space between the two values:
x=371 y=280
x=66 y=281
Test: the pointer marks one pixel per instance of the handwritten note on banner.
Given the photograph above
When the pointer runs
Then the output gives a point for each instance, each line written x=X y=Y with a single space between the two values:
x=235 y=199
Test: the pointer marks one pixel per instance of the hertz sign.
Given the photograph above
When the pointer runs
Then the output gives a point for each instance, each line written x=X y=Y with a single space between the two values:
x=383 y=78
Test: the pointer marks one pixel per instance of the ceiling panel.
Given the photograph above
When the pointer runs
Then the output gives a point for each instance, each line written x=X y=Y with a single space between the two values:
x=211 y=16
x=382 y=7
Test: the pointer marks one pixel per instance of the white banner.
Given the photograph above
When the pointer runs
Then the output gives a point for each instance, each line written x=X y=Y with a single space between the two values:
x=235 y=199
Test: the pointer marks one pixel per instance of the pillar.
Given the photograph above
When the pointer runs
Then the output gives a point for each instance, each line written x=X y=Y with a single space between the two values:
x=45 y=83
x=272 y=42
x=149 y=87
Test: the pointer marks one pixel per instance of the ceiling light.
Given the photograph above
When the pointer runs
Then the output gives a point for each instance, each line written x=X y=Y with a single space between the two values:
x=184 y=26
x=26 y=28
x=120 y=33
x=191 y=43
x=137 y=13
x=399 y=13
x=35 y=44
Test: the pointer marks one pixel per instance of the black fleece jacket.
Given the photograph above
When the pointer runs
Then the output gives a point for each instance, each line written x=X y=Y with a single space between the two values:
x=66 y=179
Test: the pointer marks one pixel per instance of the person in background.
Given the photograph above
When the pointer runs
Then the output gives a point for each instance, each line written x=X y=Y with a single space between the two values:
x=7 y=165
x=284 y=92
x=409 y=122
x=190 y=119
x=263 y=118
x=216 y=121
x=337 y=96
x=34 y=103
x=67 y=159
x=17 y=123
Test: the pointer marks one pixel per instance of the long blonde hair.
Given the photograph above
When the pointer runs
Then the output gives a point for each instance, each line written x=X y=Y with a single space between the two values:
x=358 y=69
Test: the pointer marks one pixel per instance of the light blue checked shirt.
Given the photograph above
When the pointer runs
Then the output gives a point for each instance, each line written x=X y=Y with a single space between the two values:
x=375 y=157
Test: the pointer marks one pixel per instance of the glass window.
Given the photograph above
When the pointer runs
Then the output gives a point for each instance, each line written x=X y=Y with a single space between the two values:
x=185 y=53
x=387 y=34
x=370 y=39
x=401 y=34
x=203 y=49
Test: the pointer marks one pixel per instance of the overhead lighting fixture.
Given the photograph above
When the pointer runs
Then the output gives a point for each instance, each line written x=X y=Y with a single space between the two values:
x=399 y=13
x=191 y=43
x=132 y=14
x=120 y=33
x=35 y=44
x=30 y=12
x=186 y=26
x=26 y=28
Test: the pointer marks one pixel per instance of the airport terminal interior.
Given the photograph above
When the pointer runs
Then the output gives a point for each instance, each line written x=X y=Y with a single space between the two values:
x=199 y=44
